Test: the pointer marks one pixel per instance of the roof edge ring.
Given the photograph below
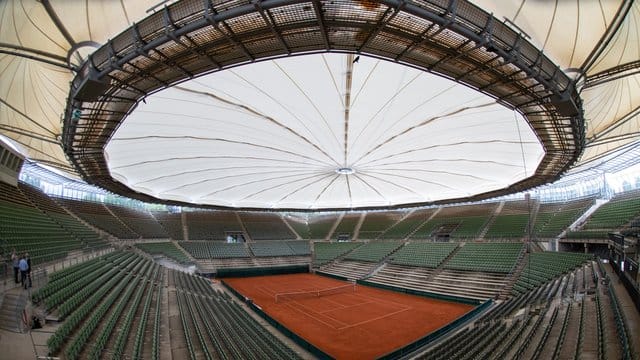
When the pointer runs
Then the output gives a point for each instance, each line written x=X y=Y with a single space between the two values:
x=459 y=42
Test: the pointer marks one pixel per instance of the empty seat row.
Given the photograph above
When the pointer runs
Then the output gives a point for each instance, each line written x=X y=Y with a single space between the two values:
x=425 y=254
x=489 y=257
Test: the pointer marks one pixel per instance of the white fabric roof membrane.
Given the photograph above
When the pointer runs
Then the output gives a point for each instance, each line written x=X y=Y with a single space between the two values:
x=274 y=134
x=34 y=82
x=582 y=37
x=588 y=37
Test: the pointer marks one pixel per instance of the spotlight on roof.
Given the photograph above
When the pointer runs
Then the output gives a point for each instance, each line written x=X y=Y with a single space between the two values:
x=345 y=171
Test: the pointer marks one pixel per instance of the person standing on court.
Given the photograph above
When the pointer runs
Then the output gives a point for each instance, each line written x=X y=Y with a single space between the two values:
x=24 y=267
x=15 y=261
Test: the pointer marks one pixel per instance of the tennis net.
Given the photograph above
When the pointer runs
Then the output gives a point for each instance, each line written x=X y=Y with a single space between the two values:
x=295 y=295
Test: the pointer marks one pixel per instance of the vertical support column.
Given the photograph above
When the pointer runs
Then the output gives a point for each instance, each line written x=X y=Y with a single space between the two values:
x=333 y=227
x=185 y=228
x=312 y=250
x=527 y=197
x=356 y=230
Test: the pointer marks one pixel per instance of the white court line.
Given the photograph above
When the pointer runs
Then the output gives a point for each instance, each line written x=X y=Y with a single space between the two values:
x=314 y=317
x=342 y=306
x=374 y=319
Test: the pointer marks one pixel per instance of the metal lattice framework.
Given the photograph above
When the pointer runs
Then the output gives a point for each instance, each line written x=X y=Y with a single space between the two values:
x=454 y=39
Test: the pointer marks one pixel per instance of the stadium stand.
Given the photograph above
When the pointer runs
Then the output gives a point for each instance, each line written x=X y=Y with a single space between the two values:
x=516 y=207
x=472 y=284
x=171 y=222
x=320 y=225
x=280 y=248
x=27 y=229
x=298 y=223
x=361 y=261
x=588 y=235
x=469 y=227
x=621 y=324
x=487 y=257
x=112 y=307
x=403 y=276
x=610 y=217
x=425 y=254
x=579 y=326
x=480 y=272
x=408 y=225
x=461 y=222
x=167 y=249
x=85 y=293
x=140 y=221
x=615 y=213
x=197 y=249
x=542 y=267
x=98 y=216
x=465 y=284
x=554 y=218
x=348 y=269
x=222 y=255
x=213 y=255
x=375 y=223
x=347 y=226
x=300 y=247
x=271 y=248
x=220 y=250
x=212 y=225
x=374 y=251
x=508 y=226
x=568 y=328
x=427 y=229
x=266 y=226
x=87 y=235
x=325 y=252
x=98 y=301
x=215 y=326
x=512 y=221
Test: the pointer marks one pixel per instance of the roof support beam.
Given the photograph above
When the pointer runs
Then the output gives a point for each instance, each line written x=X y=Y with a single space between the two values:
x=226 y=31
x=612 y=30
x=19 y=131
x=512 y=55
x=36 y=58
x=615 y=73
x=320 y=17
x=388 y=15
x=626 y=118
x=36 y=123
x=56 y=20
x=34 y=51
x=268 y=19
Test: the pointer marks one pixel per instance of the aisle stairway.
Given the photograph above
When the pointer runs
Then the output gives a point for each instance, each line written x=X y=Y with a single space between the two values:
x=13 y=303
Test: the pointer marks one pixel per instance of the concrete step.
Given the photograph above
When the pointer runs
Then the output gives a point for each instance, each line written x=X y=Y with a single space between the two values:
x=10 y=322
x=11 y=296
x=8 y=311
x=10 y=328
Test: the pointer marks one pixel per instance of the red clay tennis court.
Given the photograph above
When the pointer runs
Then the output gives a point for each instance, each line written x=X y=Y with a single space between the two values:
x=347 y=323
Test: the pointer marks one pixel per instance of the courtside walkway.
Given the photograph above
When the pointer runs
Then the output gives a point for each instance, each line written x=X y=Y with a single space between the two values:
x=16 y=346
x=33 y=343
x=629 y=309
x=75 y=257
